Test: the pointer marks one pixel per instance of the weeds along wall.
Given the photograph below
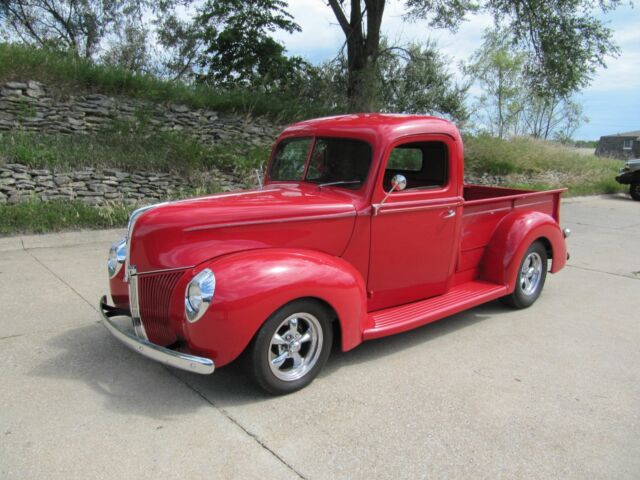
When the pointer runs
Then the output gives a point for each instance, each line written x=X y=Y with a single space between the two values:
x=31 y=106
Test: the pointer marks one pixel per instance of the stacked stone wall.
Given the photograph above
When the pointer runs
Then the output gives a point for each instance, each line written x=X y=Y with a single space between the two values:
x=32 y=106
x=97 y=186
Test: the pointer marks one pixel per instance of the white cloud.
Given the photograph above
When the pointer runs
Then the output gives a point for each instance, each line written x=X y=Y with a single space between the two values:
x=321 y=37
x=622 y=73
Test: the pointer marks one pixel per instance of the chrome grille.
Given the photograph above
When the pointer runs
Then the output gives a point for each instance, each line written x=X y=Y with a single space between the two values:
x=153 y=295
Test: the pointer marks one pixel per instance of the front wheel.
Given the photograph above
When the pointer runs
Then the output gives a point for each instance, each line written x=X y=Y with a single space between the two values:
x=531 y=276
x=291 y=347
x=634 y=191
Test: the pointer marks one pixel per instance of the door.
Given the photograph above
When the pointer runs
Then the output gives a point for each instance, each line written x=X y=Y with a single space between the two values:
x=414 y=232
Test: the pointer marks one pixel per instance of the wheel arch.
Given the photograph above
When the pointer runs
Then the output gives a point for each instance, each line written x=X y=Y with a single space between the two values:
x=511 y=239
x=251 y=286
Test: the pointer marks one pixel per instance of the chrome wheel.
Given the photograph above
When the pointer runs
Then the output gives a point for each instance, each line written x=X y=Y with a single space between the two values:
x=295 y=346
x=531 y=273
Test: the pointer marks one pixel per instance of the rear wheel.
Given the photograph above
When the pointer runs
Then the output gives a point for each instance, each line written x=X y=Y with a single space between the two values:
x=634 y=191
x=291 y=347
x=531 y=276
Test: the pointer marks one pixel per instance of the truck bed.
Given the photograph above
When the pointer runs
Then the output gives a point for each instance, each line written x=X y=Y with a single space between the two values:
x=483 y=209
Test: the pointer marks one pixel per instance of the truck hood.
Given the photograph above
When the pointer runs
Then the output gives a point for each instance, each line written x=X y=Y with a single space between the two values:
x=633 y=164
x=186 y=233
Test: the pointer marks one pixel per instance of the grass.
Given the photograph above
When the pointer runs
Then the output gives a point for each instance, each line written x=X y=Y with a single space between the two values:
x=38 y=217
x=73 y=75
x=535 y=164
x=129 y=149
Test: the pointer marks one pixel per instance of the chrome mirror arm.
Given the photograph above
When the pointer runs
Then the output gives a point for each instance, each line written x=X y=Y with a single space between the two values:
x=399 y=183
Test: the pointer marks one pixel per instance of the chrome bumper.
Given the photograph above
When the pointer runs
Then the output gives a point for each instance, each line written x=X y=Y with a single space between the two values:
x=180 y=360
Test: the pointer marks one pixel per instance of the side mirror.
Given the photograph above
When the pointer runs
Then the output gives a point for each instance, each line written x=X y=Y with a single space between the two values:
x=398 y=183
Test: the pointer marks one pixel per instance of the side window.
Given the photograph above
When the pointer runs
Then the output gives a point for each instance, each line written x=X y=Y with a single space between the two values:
x=424 y=164
x=290 y=159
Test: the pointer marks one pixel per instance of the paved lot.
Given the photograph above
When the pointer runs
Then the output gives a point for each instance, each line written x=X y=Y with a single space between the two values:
x=550 y=392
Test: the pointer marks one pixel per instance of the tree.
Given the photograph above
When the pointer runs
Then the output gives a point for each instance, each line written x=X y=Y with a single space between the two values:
x=562 y=39
x=551 y=117
x=130 y=49
x=416 y=80
x=228 y=43
x=183 y=44
x=77 y=26
x=512 y=103
x=407 y=80
x=238 y=47
x=499 y=72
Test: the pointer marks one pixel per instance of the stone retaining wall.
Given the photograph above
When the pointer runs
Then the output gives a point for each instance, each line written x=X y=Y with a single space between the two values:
x=31 y=106
x=96 y=186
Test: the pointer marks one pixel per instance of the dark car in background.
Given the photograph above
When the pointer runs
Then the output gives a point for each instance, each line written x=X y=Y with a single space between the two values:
x=630 y=175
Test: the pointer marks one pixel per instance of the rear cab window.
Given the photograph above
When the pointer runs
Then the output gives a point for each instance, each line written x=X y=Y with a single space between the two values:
x=424 y=165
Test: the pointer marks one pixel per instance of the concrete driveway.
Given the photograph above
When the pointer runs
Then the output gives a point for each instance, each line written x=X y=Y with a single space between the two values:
x=549 y=392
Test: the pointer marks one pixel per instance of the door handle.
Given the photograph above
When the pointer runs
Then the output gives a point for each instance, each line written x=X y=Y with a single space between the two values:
x=451 y=213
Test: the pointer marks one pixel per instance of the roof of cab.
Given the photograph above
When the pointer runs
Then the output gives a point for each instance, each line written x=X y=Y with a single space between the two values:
x=391 y=126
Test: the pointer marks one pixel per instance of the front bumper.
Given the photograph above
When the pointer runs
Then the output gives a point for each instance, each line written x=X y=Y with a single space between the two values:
x=183 y=361
x=627 y=178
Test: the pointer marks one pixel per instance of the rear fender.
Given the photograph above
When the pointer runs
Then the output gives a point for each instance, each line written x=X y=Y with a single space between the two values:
x=252 y=285
x=513 y=236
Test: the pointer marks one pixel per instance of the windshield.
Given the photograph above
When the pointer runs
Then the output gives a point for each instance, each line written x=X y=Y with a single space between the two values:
x=342 y=162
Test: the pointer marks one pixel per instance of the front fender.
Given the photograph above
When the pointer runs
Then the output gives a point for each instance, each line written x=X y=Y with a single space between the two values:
x=511 y=239
x=252 y=285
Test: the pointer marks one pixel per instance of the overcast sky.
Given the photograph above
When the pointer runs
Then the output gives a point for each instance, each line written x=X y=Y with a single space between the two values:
x=612 y=102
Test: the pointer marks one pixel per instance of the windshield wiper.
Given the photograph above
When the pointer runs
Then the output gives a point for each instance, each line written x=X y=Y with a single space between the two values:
x=340 y=182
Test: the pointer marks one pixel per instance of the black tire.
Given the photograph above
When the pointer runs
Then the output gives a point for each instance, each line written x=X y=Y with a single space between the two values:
x=634 y=191
x=293 y=323
x=529 y=283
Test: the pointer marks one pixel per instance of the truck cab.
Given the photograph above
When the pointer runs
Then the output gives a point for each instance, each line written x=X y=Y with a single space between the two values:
x=364 y=226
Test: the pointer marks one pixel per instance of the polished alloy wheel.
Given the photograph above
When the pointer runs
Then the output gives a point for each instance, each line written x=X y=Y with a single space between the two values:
x=295 y=346
x=531 y=273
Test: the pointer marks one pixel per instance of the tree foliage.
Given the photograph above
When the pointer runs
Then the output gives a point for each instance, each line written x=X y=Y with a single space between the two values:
x=511 y=102
x=78 y=26
x=562 y=40
x=229 y=43
x=416 y=79
x=239 y=50
x=499 y=72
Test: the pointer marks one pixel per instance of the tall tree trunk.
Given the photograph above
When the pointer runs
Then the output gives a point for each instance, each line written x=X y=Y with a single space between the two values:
x=363 y=42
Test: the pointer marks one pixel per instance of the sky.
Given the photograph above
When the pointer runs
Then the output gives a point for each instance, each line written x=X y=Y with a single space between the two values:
x=611 y=102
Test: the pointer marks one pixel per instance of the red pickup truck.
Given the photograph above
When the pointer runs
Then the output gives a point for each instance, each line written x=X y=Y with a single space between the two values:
x=363 y=228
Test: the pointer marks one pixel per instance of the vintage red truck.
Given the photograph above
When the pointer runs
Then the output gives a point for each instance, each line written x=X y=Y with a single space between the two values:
x=363 y=228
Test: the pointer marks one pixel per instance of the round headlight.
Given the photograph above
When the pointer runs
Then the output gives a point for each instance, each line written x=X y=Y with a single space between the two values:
x=199 y=295
x=117 y=255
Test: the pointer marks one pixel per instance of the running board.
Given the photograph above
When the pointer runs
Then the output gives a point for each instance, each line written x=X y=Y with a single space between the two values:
x=406 y=317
